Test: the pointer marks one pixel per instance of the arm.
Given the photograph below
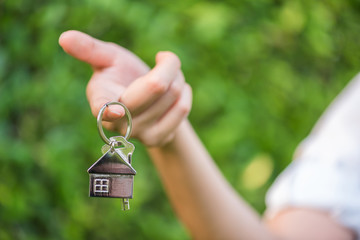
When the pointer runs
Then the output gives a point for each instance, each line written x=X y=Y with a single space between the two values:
x=298 y=223
x=160 y=100
x=212 y=210
x=200 y=195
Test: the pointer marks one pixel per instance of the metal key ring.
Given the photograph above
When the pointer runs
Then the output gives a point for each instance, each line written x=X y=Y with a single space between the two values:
x=99 y=121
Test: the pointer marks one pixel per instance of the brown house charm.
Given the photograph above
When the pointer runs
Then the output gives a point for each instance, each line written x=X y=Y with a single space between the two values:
x=112 y=175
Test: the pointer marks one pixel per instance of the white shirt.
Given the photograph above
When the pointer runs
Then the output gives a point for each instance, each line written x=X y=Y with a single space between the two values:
x=325 y=173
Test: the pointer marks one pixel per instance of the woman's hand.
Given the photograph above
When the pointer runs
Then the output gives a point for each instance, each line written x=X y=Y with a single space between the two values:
x=158 y=99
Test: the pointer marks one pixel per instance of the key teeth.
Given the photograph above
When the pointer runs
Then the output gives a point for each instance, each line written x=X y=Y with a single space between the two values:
x=125 y=204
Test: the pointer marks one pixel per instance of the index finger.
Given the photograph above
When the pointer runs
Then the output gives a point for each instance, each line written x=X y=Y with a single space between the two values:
x=97 y=53
x=144 y=91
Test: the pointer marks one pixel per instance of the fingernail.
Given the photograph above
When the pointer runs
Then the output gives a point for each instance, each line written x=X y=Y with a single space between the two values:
x=117 y=111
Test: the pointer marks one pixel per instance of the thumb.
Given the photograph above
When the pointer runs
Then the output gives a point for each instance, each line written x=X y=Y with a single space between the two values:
x=100 y=90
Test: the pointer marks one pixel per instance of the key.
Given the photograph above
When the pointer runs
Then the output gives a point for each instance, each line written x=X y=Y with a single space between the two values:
x=112 y=175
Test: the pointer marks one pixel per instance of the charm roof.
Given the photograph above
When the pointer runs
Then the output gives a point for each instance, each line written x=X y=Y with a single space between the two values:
x=113 y=162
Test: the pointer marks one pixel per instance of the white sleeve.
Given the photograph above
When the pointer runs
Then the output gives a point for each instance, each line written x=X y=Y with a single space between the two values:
x=325 y=173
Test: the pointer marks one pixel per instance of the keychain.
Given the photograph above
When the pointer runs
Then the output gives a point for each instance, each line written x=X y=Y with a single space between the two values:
x=112 y=175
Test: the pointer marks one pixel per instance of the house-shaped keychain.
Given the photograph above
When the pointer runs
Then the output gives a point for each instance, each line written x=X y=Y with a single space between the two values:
x=112 y=175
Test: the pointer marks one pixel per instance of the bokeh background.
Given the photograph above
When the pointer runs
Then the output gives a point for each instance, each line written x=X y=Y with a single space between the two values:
x=262 y=72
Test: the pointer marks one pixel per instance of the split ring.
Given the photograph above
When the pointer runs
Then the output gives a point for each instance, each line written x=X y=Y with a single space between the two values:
x=99 y=121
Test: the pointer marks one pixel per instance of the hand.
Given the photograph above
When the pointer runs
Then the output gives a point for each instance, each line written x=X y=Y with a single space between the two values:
x=158 y=99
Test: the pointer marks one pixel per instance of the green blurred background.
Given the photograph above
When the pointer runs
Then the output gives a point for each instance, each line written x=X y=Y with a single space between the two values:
x=262 y=72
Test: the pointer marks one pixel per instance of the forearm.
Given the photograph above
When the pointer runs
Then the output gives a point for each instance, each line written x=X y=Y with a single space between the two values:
x=202 y=198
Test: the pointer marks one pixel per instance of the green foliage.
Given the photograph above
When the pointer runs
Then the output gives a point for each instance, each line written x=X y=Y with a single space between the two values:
x=262 y=72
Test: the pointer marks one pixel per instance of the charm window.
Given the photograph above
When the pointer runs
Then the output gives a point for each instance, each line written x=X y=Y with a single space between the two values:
x=101 y=185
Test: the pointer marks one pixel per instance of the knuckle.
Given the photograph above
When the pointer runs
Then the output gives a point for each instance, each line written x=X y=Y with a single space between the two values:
x=113 y=47
x=175 y=59
x=172 y=57
x=178 y=85
x=156 y=85
x=184 y=109
x=176 y=89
